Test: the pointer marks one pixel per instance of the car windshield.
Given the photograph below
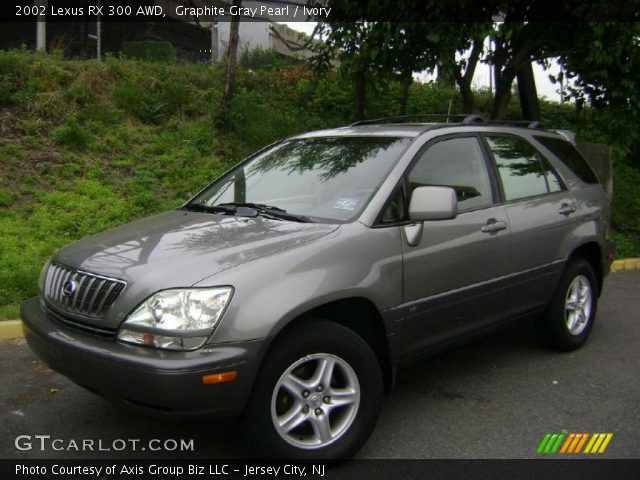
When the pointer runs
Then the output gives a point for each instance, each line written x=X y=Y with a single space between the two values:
x=320 y=179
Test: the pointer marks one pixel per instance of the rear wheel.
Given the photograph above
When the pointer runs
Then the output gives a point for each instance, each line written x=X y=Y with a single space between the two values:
x=318 y=394
x=569 y=318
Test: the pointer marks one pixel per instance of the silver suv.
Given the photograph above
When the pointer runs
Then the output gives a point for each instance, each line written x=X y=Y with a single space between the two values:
x=291 y=289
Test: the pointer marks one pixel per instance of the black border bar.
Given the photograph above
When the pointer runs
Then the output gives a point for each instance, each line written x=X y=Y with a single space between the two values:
x=575 y=468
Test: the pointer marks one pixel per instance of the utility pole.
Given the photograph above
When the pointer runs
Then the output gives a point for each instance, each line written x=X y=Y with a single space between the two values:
x=214 y=41
x=490 y=67
x=41 y=32
x=98 y=36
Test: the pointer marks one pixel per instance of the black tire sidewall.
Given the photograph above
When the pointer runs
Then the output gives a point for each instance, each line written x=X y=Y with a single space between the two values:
x=557 y=332
x=317 y=337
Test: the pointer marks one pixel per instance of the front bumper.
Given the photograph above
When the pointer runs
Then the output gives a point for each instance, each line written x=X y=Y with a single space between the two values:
x=148 y=379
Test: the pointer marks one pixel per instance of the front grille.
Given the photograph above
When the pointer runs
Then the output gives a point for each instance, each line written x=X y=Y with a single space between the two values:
x=80 y=292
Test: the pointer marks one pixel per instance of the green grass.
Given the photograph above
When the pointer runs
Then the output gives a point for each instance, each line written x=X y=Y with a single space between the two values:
x=87 y=145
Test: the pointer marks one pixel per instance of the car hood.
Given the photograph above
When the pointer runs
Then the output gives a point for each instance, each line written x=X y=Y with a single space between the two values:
x=179 y=248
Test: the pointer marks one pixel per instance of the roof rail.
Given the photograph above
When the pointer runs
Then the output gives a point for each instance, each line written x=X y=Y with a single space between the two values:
x=400 y=118
x=465 y=119
x=534 y=124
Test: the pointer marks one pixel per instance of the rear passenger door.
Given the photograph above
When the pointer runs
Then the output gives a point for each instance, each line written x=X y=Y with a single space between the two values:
x=454 y=272
x=541 y=215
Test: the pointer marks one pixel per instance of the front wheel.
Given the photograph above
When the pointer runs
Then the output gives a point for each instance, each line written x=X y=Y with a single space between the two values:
x=569 y=318
x=318 y=395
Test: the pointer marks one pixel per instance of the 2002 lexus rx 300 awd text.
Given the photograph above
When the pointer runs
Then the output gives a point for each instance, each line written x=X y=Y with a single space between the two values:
x=291 y=289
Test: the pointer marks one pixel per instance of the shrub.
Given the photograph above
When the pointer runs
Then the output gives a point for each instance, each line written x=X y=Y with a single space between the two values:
x=72 y=134
x=151 y=50
x=262 y=58
x=140 y=101
x=626 y=209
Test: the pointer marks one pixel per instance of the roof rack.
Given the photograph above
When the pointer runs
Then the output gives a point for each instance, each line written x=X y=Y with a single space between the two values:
x=467 y=119
x=534 y=124
x=400 y=118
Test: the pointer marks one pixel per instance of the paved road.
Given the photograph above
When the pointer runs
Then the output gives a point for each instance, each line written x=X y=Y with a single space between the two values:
x=493 y=398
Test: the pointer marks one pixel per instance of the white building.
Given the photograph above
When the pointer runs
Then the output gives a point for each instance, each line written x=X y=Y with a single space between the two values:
x=265 y=35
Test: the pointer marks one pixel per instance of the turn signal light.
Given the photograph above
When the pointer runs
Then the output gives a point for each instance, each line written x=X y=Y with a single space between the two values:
x=223 y=377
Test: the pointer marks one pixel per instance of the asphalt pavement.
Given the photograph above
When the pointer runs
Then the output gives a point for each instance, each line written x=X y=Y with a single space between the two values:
x=493 y=398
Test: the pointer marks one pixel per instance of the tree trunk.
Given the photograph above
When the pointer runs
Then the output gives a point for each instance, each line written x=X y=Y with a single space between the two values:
x=231 y=60
x=501 y=101
x=361 y=83
x=529 y=102
x=404 y=95
x=445 y=76
x=464 y=80
x=468 y=99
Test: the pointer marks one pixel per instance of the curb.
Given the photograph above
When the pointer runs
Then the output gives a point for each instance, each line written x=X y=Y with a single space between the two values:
x=10 y=329
x=625 y=264
x=13 y=328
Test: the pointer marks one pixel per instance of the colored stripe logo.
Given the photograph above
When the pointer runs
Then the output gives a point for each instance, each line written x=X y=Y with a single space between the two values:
x=570 y=443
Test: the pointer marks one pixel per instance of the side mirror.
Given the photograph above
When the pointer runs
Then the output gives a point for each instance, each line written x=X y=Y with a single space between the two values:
x=433 y=203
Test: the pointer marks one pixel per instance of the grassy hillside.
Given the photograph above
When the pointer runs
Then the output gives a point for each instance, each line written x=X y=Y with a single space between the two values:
x=86 y=145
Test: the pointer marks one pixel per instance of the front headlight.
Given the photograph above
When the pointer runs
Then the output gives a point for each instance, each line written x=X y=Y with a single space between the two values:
x=178 y=319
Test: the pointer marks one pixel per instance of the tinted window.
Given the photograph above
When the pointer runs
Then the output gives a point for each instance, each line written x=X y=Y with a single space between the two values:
x=522 y=170
x=570 y=157
x=457 y=163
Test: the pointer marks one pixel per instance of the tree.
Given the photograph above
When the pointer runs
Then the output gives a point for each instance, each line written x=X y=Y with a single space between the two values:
x=521 y=32
x=231 y=61
x=607 y=75
x=413 y=49
x=356 y=48
x=451 y=39
x=372 y=51
x=398 y=47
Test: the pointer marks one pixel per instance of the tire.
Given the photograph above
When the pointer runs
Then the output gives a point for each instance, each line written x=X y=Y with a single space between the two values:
x=322 y=421
x=570 y=316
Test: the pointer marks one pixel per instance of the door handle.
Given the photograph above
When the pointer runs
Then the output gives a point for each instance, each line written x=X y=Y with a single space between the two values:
x=567 y=208
x=493 y=225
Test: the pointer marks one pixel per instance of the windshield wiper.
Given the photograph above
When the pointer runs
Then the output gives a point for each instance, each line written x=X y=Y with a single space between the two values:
x=248 y=210
x=267 y=211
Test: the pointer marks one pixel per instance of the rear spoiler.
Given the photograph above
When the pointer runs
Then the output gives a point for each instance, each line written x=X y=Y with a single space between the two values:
x=567 y=134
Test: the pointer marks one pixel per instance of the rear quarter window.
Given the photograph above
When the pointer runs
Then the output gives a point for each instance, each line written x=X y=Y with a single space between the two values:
x=570 y=157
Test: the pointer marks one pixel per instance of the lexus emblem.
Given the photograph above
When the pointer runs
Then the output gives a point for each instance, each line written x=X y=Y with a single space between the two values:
x=69 y=288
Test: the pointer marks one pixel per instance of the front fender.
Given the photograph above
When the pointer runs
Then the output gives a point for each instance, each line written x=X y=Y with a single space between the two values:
x=270 y=292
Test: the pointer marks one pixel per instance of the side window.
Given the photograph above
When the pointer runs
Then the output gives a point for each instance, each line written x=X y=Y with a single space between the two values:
x=570 y=157
x=457 y=163
x=553 y=181
x=523 y=171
